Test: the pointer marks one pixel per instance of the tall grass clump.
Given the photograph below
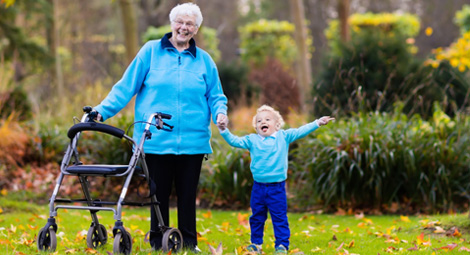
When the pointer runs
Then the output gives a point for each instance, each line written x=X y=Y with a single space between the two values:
x=226 y=178
x=384 y=162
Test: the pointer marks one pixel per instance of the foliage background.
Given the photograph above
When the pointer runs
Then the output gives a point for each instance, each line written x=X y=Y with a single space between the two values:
x=399 y=90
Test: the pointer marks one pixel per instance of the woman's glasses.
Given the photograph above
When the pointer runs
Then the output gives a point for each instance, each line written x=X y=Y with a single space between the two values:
x=188 y=24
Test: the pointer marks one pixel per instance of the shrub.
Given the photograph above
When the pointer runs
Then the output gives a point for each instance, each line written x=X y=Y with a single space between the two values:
x=366 y=76
x=377 y=68
x=15 y=101
x=226 y=178
x=462 y=18
x=268 y=39
x=384 y=162
x=238 y=89
x=269 y=48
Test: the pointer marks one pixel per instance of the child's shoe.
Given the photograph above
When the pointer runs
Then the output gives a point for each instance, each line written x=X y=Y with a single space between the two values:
x=255 y=248
x=281 y=249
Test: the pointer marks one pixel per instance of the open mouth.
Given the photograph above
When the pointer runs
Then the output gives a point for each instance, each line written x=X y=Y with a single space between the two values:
x=185 y=33
x=264 y=128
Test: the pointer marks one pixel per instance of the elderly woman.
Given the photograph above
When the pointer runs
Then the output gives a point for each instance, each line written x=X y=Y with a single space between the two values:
x=173 y=76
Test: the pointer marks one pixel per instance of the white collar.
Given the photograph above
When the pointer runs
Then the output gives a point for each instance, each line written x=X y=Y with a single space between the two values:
x=274 y=135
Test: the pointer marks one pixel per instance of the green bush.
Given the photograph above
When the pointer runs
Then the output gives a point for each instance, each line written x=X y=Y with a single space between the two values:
x=15 y=101
x=426 y=85
x=387 y=162
x=462 y=19
x=268 y=39
x=377 y=68
x=363 y=24
x=367 y=76
x=234 y=78
x=226 y=178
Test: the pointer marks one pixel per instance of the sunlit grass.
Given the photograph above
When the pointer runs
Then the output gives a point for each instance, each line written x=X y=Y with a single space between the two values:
x=310 y=233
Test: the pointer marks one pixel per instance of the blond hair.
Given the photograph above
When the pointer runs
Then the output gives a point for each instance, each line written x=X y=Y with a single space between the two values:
x=267 y=108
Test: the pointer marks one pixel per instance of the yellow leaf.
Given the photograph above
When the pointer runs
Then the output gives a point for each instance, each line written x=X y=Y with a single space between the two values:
x=134 y=227
x=295 y=250
x=404 y=218
x=368 y=221
x=4 y=192
x=207 y=215
x=316 y=249
x=351 y=244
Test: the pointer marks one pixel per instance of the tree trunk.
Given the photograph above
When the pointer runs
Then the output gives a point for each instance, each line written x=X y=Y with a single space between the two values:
x=343 y=13
x=59 y=77
x=304 y=67
x=129 y=20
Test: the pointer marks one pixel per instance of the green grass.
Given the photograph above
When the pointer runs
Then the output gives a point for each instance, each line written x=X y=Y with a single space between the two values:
x=310 y=233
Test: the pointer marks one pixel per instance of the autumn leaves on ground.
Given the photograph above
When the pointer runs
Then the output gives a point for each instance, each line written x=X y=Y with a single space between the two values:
x=310 y=233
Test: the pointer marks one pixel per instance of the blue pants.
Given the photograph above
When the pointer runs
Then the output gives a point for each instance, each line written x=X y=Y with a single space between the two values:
x=269 y=197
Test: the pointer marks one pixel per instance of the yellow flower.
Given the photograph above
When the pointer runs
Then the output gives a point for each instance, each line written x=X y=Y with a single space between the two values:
x=428 y=31
x=454 y=62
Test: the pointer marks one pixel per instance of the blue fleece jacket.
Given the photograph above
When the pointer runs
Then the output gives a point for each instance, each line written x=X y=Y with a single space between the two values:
x=184 y=84
x=269 y=154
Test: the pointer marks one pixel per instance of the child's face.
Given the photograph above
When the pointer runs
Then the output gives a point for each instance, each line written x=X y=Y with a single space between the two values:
x=266 y=124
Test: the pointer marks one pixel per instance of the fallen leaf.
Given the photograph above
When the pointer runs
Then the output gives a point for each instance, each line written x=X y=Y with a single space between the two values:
x=404 y=218
x=464 y=249
x=207 y=215
x=456 y=233
x=448 y=247
x=217 y=251
x=439 y=230
x=340 y=247
x=413 y=248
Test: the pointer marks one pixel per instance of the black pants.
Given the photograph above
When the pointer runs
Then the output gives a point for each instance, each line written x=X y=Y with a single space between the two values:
x=183 y=171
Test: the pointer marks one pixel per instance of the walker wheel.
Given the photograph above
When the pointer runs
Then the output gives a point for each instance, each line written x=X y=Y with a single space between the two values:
x=94 y=239
x=172 y=240
x=122 y=243
x=48 y=242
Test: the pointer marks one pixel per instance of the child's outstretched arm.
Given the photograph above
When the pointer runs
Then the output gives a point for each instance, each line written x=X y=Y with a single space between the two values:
x=293 y=134
x=324 y=120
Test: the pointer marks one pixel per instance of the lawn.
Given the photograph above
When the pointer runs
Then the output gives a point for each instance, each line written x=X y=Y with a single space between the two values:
x=311 y=233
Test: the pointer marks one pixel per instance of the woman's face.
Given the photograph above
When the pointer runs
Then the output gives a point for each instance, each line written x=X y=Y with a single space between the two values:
x=183 y=29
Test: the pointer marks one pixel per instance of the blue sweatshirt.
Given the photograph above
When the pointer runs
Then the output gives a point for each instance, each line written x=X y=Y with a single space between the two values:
x=269 y=154
x=184 y=84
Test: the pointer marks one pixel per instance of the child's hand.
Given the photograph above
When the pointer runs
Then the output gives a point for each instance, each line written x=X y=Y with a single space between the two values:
x=221 y=127
x=324 y=120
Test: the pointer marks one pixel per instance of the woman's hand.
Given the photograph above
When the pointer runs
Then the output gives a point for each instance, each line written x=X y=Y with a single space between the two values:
x=222 y=121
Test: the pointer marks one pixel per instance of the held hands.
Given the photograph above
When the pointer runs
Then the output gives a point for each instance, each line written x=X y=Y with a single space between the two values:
x=222 y=121
x=324 y=120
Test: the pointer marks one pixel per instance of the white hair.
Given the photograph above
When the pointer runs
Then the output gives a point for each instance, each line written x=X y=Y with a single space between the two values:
x=267 y=108
x=187 y=9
